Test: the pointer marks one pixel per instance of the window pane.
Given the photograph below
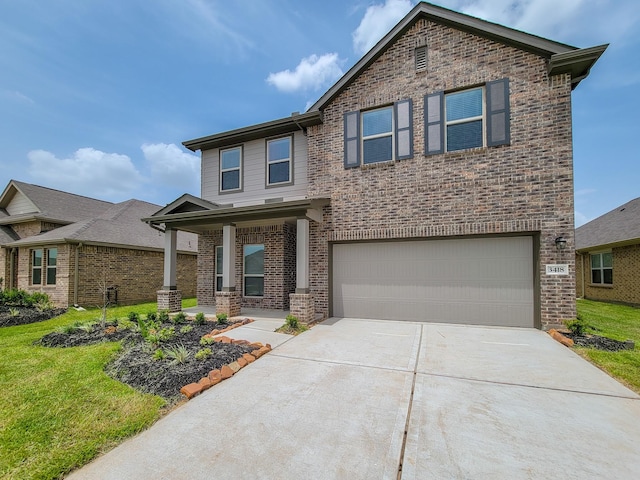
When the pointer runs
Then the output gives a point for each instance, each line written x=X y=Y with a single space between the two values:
x=377 y=121
x=595 y=261
x=608 y=276
x=377 y=150
x=254 y=286
x=231 y=180
x=52 y=257
x=230 y=158
x=279 y=149
x=607 y=260
x=218 y=284
x=219 y=260
x=254 y=259
x=596 y=276
x=464 y=135
x=279 y=172
x=464 y=104
x=36 y=277
x=51 y=276
x=37 y=258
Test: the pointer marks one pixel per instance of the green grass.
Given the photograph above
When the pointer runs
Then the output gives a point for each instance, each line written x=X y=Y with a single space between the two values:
x=619 y=322
x=58 y=409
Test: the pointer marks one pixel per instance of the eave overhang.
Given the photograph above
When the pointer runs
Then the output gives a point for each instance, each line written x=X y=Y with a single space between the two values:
x=605 y=246
x=281 y=126
x=578 y=63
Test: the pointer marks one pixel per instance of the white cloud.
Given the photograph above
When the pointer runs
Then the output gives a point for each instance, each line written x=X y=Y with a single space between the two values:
x=312 y=73
x=90 y=172
x=18 y=97
x=376 y=23
x=173 y=167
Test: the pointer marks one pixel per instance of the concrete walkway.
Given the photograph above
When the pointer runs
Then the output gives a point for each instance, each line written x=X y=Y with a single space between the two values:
x=335 y=402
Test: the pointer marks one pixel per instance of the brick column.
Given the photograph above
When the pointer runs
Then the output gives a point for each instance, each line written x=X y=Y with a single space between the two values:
x=302 y=307
x=228 y=302
x=170 y=300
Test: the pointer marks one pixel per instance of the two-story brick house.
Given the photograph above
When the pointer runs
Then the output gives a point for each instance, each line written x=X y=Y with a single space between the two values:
x=429 y=183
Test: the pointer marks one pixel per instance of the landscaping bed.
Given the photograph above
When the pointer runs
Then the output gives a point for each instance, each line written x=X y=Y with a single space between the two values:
x=599 y=342
x=21 y=315
x=160 y=358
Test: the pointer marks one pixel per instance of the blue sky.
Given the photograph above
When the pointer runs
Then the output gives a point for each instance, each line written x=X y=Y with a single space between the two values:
x=97 y=96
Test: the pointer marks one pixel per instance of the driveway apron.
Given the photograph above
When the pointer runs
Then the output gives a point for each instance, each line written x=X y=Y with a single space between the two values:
x=335 y=402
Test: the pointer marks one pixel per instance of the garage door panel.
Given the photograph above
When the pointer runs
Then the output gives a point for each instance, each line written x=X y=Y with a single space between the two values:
x=480 y=281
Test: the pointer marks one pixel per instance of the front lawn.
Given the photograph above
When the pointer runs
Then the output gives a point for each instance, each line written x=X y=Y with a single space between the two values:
x=58 y=409
x=619 y=322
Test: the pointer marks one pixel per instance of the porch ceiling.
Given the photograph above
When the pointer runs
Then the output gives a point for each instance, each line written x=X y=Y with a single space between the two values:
x=203 y=220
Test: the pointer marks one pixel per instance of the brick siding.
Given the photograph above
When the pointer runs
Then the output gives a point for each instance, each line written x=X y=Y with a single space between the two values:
x=525 y=187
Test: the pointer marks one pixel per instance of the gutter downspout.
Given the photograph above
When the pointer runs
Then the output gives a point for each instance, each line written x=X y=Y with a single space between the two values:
x=12 y=268
x=582 y=269
x=75 y=276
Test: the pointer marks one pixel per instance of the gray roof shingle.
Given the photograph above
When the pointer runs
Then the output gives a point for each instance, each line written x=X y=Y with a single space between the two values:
x=620 y=225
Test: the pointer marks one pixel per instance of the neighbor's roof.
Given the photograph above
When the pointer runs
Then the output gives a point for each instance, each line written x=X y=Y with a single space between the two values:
x=620 y=226
x=119 y=226
x=49 y=204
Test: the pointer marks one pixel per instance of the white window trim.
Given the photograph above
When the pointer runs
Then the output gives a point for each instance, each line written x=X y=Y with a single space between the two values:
x=482 y=117
x=602 y=267
x=40 y=268
x=280 y=160
x=378 y=135
x=251 y=275
x=50 y=267
x=238 y=168
x=44 y=266
x=216 y=274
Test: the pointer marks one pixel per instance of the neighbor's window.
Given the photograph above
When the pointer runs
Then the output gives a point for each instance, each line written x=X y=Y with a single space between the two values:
x=464 y=114
x=377 y=135
x=602 y=268
x=36 y=266
x=52 y=261
x=230 y=169
x=279 y=156
x=218 y=269
x=253 y=259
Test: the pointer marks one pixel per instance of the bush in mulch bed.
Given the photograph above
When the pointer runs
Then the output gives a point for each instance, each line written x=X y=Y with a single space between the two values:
x=171 y=356
x=20 y=315
x=601 y=343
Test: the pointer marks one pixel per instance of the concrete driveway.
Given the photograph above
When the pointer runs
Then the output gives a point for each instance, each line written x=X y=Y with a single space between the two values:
x=366 y=399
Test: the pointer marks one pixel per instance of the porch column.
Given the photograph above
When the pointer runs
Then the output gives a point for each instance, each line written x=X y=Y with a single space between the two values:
x=228 y=300
x=170 y=298
x=301 y=303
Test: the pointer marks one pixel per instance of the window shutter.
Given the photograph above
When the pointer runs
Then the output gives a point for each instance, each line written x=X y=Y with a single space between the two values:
x=498 y=115
x=404 y=129
x=434 y=123
x=352 y=139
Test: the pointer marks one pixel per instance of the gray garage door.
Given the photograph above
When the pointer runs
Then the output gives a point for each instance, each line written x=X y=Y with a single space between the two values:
x=485 y=281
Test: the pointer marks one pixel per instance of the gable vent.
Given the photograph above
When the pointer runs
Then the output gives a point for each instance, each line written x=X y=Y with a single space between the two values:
x=421 y=58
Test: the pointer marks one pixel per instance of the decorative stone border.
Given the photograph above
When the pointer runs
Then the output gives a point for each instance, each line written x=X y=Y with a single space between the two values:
x=557 y=336
x=226 y=371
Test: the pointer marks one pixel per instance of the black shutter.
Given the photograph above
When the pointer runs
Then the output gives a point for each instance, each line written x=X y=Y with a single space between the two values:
x=404 y=129
x=434 y=123
x=498 y=116
x=352 y=139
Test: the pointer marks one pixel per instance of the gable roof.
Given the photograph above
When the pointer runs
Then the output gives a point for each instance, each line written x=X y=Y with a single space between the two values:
x=620 y=226
x=119 y=226
x=50 y=205
x=562 y=58
x=7 y=235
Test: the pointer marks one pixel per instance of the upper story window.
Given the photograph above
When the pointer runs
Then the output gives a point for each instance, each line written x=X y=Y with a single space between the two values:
x=602 y=268
x=378 y=135
x=476 y=117
x=231 y=169
x=279 y=161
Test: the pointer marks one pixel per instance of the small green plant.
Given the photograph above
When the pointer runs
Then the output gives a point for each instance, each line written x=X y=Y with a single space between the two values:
x=186 y=329
x=126 y=325
x=14 y=312
x=178 y=354
x=44 y=305
x=86 y=327
x=222 y=317
x=133 y=317
x=203 y=354
x=179 y=317
x=207 y=341
x=200 y=319
x=158 y=354
x=144 y=329
x=292 y=322
x=70 y=328
x=578 y=326
x=163 y=316
x=152 y=316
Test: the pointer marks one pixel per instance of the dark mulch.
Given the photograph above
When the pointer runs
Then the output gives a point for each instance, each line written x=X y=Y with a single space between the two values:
x=26 y=315
x=136 y=366
x=598 y=342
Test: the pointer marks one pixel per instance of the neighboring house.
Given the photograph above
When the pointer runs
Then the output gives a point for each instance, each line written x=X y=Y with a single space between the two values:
x=73 y=247
x=429 y=183
x=608 y=256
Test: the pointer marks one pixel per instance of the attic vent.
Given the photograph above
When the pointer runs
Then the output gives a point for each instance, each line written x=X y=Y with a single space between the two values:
x=421 y=58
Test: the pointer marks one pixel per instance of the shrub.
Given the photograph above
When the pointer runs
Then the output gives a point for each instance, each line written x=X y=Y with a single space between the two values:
x=186 y=329
x=158 y=354
x=152 y=316
x=292 y=322
x=203 y=354
x=206 y=341
x=133 y=317
x=14 y=312
x=126 y=325
x=179 y=317
x=178 y=354
x=200 y=319
x=222 y=317
x=86 y=327
x=163 y=316
x=578 y=326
